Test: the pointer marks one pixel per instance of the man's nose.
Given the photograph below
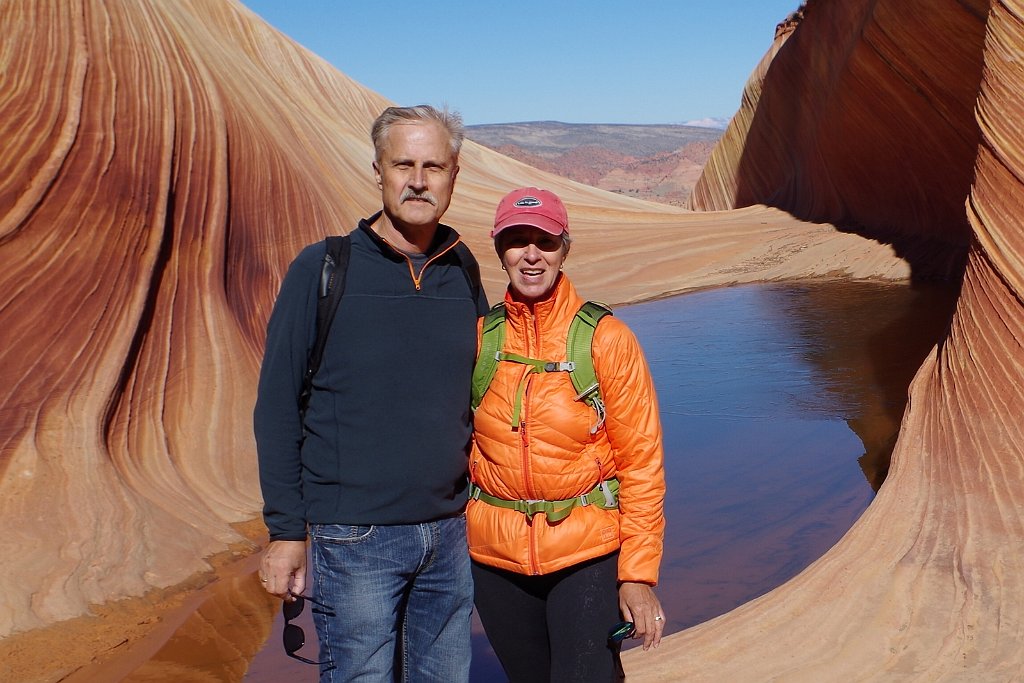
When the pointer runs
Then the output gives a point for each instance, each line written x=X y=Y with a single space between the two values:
x=418 y=179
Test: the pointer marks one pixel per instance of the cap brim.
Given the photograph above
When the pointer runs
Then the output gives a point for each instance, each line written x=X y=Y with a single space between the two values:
x=530 y=220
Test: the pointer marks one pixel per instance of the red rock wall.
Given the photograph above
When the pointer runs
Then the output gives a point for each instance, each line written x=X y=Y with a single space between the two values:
x=138 y=182
x=865 y=119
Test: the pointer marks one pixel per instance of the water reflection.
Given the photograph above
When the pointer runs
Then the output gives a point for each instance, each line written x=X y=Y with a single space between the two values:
x=780 y=405
x=778 y=402
x=870 y=340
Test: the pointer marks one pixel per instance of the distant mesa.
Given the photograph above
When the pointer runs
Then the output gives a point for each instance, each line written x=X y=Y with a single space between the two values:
x=659 y=163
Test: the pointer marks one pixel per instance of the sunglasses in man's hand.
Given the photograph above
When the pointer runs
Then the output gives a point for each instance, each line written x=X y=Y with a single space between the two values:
x=293 y=635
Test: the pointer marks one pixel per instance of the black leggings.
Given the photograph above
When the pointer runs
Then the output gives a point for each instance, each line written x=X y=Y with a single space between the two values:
x=552 y=628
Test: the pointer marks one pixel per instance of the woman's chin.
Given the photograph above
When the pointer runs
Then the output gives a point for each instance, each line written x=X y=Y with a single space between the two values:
x=532 y=291
x=531 y=295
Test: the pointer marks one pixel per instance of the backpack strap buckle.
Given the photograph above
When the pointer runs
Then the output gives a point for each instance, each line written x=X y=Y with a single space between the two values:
x=604 y=495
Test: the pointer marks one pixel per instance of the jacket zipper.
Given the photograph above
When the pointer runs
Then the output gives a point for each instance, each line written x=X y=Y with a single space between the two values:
x=525 y=439
x=417 y=280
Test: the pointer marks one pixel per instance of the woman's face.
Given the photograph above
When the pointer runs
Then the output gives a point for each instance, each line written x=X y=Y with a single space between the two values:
x=532 y=258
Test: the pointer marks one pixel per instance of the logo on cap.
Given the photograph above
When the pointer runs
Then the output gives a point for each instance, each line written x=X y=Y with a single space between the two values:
x=527 y=202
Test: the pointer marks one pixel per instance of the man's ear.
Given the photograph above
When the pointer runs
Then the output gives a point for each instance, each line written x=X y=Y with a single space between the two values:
x=376 y=175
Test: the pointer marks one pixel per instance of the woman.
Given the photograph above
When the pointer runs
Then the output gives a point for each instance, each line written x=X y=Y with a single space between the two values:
x=557 y=556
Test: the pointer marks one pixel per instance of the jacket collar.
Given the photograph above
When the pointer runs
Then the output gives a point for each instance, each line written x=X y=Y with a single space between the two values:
x=444 y=238
x=558 y=308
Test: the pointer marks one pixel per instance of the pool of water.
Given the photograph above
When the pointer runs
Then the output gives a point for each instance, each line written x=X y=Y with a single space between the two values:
x=780 y=405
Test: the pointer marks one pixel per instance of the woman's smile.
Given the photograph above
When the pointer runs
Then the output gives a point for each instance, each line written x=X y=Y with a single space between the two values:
x=533 y=259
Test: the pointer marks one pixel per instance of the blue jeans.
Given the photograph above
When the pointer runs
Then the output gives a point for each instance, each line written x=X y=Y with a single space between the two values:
x=401 y=597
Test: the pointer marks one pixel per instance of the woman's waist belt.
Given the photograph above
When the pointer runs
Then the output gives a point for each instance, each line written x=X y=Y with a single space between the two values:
x=605 y=496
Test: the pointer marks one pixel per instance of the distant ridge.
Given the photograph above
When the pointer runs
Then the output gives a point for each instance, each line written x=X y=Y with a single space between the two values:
x=553 y=137
x=656 y=162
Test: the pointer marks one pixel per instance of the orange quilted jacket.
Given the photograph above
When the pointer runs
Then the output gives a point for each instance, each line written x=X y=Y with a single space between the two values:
x=551 y=454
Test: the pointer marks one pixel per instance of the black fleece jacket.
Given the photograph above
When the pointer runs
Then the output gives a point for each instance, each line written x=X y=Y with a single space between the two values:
x=387 y=430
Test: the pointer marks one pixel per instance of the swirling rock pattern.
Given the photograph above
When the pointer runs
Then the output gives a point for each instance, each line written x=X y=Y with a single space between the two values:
x=162 y=162
x=849 y=118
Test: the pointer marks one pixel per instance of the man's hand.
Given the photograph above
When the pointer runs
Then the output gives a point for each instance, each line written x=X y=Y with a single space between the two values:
x=283 y=568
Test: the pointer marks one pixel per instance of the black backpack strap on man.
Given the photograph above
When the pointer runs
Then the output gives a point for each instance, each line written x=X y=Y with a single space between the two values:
x=470 y=268
x=332 y=286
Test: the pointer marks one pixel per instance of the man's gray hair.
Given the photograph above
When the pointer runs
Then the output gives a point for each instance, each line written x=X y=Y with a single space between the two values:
x=449 y=120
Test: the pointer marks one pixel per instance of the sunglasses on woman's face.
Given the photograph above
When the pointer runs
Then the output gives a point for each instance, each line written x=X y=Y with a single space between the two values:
x=294 y=637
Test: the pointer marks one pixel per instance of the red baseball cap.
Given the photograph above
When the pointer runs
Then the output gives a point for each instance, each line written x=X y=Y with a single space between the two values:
x=534 y=207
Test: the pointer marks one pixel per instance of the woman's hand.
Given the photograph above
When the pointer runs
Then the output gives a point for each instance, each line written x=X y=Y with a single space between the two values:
x=640 y=605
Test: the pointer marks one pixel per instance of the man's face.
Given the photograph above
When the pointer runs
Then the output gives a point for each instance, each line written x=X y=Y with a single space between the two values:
x=416 y=174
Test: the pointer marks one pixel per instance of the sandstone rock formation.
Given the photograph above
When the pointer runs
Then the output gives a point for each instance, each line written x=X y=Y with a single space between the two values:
x=162 y=162
x=849 y=118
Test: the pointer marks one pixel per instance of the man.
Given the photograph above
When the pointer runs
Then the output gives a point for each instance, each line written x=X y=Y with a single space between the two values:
x=375 y=472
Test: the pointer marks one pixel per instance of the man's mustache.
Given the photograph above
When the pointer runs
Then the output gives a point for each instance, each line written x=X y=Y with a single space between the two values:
x=409 y=193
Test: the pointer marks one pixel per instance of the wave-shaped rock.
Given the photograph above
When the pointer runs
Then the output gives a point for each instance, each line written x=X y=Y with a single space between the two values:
x=863 y=117
x=163 y=162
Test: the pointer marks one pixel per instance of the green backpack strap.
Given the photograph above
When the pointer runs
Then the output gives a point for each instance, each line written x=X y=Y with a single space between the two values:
x=492 y=339
x=579 y=351
x=579 y=356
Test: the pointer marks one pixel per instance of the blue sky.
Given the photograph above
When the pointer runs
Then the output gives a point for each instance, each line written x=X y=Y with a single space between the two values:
x=596 y=61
